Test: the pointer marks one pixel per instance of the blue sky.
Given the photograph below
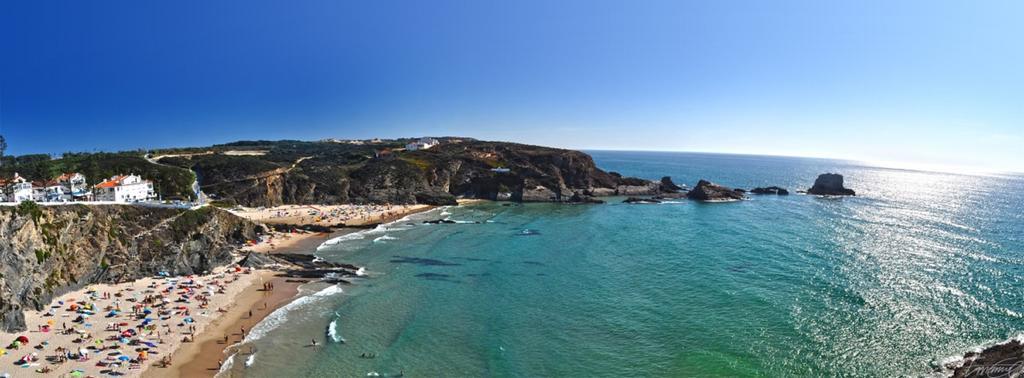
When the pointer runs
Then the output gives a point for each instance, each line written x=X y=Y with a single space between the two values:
x=935 y=83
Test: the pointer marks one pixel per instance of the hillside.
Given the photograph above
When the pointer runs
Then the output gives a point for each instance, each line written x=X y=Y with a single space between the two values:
x=270 y=173
x=265 y=173
x=170 y=182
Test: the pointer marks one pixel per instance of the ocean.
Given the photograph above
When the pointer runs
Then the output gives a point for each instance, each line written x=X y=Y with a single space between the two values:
x=918 y=268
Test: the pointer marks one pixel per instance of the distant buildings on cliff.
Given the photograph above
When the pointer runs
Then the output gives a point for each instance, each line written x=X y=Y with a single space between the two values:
x=422 y=144
x=72 y=187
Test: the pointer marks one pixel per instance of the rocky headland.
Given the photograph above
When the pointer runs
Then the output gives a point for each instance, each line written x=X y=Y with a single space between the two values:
x=292 y=172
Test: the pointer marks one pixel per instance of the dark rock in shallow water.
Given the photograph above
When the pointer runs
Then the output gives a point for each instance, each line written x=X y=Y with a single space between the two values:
x=830 y=184
x=667 y=186
x=1002 y=360
x=738 y=190
x=581 y=198
x=440 y=221
x=770 y=190
x=640 y=200
x=708 y=191
x=669 y=196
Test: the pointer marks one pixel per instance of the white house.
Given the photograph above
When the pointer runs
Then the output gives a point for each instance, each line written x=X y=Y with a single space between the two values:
x=21 y=189
x=53 y=192
x=130 y=188
x=422 y=144
x=74 y=187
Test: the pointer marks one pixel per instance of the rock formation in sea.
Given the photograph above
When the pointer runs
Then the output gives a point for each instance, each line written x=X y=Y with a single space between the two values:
x=640 y=200
x=830 y=184
x=708 y=191
x=770 y=190
x=667 y=186
x=51 y=250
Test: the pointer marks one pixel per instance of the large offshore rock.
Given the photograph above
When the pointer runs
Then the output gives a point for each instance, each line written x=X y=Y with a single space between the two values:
x=830 y=184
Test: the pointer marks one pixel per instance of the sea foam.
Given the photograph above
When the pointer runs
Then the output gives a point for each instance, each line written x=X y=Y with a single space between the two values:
x=280 y=316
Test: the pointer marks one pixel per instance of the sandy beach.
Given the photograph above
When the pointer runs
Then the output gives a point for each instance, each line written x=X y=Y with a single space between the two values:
x=124 y=329
x=329 y=215
x=204 y=357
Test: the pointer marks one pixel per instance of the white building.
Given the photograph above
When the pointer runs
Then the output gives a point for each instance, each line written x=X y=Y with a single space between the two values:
x=422 y=144
x=54 y=192
x=21 y=189
x=130 y=188
x=74 y=187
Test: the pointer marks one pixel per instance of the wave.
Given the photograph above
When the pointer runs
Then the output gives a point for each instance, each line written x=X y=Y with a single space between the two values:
x=339 y=239
x=280 y=316
x=332 y=331
x=226 y=366
x=361 y=271
x=381 y=228
x=384 y=238
x=249 y=361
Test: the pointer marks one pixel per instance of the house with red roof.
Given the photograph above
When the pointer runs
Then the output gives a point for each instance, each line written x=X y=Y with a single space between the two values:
x=124 y=188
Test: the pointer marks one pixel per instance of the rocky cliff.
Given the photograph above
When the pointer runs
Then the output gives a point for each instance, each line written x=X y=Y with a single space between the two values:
x=290 y=172
x=47 y=251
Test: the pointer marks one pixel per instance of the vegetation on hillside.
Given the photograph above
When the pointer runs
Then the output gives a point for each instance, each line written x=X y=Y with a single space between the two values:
x=170 y=182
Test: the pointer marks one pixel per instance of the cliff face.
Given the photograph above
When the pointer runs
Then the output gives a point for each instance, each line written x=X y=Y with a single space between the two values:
x=47 y=251
x=324 y=173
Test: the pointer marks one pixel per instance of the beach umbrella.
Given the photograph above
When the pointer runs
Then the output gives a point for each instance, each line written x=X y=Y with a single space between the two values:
x=76 y=373
x=22 y=339
x=124 y=358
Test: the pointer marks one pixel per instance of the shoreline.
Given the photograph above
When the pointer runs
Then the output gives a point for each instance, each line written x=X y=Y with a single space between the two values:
x=203 y=357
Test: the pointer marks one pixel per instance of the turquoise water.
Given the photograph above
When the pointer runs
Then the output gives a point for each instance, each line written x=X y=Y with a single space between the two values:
x=919 y=267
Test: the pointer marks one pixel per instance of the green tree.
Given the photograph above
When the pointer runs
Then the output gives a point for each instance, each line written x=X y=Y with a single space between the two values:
x=3 y=148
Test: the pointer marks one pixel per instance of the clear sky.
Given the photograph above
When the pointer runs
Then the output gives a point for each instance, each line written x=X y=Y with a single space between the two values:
x=912 y=82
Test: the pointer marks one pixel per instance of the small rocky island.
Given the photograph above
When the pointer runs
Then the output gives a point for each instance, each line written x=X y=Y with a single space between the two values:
x=830 y=184
x=770 y=190
x=710 y=192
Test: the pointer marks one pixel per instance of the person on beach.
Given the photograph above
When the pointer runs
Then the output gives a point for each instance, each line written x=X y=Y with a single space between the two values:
x=313 y=342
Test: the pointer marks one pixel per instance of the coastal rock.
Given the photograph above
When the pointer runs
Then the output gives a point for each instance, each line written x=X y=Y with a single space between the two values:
x=578 y=197
x=708 y=191
x=830 y=184
x=1000 y=360
x=51 y=250
x=533 y=192
x=670 y=196
x=770 y=190
x=667 y=186
x=646 y=189
x=640 y=200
